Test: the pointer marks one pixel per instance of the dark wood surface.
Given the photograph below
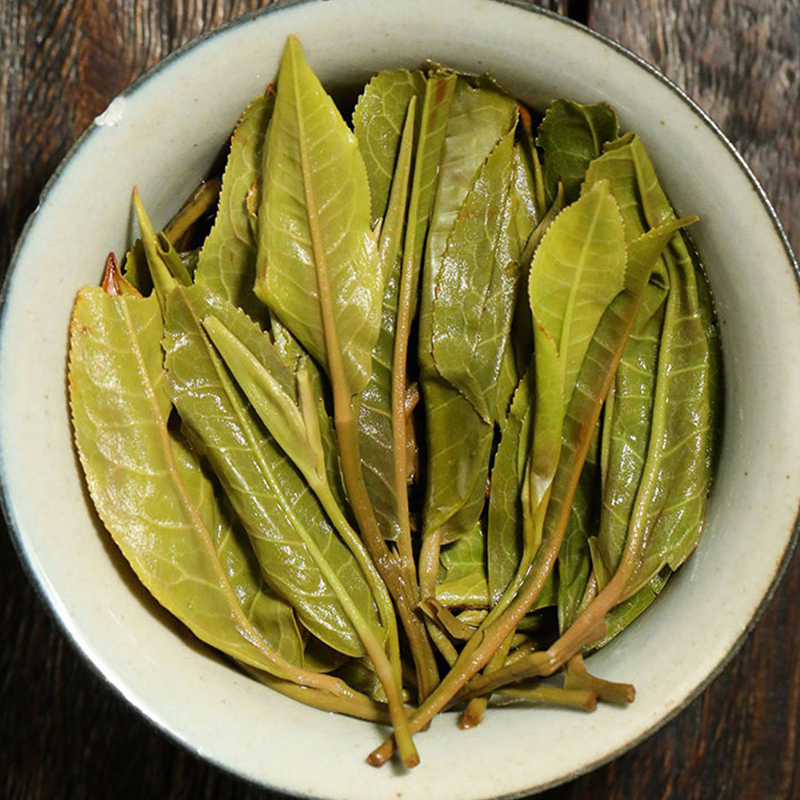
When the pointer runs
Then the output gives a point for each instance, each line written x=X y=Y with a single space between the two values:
x=63 y=734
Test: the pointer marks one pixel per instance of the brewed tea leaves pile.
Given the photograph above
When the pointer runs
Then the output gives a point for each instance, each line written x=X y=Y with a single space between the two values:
x=410 y=413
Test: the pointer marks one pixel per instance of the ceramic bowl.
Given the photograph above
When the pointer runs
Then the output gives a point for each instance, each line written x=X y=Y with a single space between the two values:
x=162 y=134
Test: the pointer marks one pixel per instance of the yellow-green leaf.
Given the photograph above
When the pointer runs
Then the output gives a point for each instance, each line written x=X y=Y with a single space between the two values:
x=459 y=441
x=378 y=122
x=476 y=288
x=227 y=261
x=318 y=266
x=578 y=269
x=152 y=494
x=570 y=136
x=287 y=527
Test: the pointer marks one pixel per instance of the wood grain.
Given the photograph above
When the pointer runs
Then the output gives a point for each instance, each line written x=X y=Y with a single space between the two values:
x=64 y=734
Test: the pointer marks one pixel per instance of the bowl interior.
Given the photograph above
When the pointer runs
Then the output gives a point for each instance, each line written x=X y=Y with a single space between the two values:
x=162 y=135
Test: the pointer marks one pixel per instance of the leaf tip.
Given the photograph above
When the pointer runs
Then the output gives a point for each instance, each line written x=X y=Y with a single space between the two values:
x=293 y=49
x=111 y=276
x=114 y=282
x=141 y=215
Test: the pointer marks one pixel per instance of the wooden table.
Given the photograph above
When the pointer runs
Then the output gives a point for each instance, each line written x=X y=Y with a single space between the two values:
x=62 y=732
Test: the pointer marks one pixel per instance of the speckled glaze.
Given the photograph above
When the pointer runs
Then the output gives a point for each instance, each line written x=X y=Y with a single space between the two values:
x=163 y=134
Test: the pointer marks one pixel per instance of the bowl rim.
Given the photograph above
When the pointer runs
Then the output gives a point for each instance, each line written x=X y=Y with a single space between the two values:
x=6 y=501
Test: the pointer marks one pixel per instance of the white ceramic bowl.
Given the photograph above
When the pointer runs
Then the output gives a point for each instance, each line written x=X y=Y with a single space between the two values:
x=162 y=134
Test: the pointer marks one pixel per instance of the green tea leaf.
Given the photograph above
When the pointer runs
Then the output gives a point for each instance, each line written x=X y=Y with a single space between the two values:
x=439 y=91
x=430 y=171
x=459 y=441
x=318 y=267
x=174 y=262
x=551 y=399
x=629 y=173
x=716 y=373
x=574 y=558
x=274 y=397
x=190 y=259
x=675 y=484
x=152 y=494
x=627 y=423
x=267 y=611
x=375 y=421
x=476 y=289
x=595 y=378
x=464 y=583
x=629 y=426
x=458 y=450
x=295 y=425
x=184 y=225
x=293 y=419
x=402 y=297
x=536 y=467
x=523 y=320
x=524 y=215
x=321 y=275
x=359 y=673
x=526 y=486
x=479 y=116
x=348 y=702
x=319 y=657
x=376 y=431
x=227 y=262
x=662 y=446
x=297 y=360
x=583 y=411
x=579 y=267
x=288 y=529
x=134 y=268
x=504 y=540
x=378 y=121
x=628 y=409
x=596 y=375
x=628 y=610
x=570 y=136
x=545 y=452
